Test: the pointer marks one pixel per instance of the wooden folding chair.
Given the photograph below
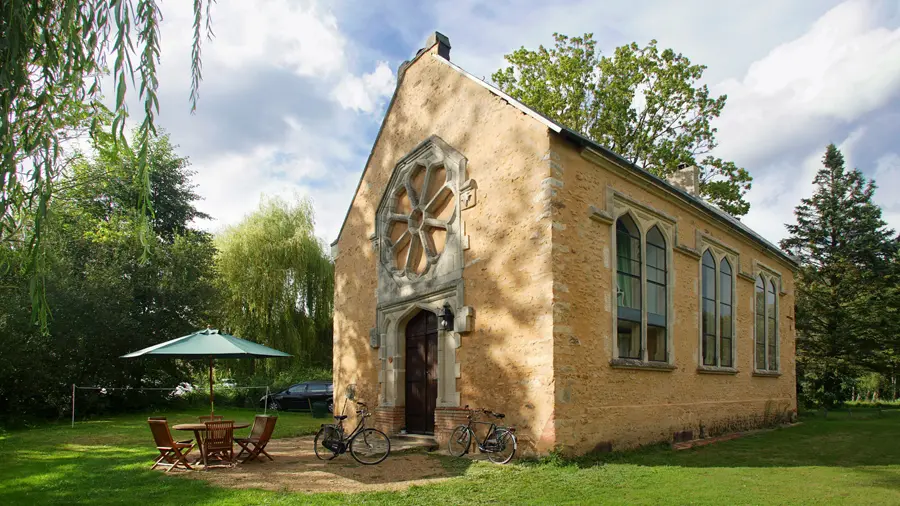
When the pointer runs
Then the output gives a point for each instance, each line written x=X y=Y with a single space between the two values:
x=219 y=442
x=260 y=434
x=188 y=441
x=211 y=418
x=170 y=451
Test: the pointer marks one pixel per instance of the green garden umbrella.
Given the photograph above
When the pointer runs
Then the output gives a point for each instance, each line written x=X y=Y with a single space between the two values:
x=208 y=344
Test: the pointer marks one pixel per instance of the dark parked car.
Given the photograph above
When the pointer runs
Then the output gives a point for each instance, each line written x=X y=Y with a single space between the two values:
x=301 y=396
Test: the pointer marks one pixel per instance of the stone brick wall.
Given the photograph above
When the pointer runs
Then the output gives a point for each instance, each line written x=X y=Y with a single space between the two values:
x=507 y=273
x=596 y=402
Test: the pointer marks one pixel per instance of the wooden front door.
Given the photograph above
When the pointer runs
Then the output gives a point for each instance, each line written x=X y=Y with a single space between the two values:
x=421 y=373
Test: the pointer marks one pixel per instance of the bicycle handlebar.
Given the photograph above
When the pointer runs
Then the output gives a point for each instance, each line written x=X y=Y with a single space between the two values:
x=483 y=410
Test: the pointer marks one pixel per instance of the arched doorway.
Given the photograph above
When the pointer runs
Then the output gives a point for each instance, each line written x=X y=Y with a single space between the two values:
x=421 y=372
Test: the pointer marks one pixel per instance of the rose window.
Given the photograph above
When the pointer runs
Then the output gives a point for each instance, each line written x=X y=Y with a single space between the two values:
x=420 y=216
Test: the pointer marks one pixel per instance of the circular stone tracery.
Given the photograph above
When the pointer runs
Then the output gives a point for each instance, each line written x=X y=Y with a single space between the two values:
x=419 y=219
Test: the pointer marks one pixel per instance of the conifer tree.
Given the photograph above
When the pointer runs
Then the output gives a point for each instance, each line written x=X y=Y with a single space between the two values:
x=845 y=252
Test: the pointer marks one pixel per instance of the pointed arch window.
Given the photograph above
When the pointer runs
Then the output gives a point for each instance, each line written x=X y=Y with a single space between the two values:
x=717 y=311
x=641 y=292
x=726 y=314
x=766 y=324
x=628 y=278
x=656 y=296
x=709 y=309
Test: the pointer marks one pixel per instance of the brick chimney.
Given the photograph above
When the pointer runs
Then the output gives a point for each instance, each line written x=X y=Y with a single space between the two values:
x=442 y=43
x=687 y=178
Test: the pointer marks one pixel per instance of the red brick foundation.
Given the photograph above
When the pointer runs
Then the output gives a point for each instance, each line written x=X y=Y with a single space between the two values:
x=447 y=419
x=389 y=419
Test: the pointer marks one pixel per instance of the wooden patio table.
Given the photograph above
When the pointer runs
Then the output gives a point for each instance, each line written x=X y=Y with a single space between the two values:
x=200 y=428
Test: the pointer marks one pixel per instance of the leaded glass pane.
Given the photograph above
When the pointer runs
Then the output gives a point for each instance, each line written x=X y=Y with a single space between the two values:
x=655 y=275
x=760 y=342
x=725 y=281
x=709 y=349
x=629 y=294
x=709 y=277
x=629 y=339
x=656 y=299
x=725 y=324
x=656 y=343
x=725 y=358
x=628 y=263
x=760 y=297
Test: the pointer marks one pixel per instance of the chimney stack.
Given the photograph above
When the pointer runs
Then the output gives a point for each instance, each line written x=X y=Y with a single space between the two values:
x=443 y=43
x=435 y=39
x=687 y=178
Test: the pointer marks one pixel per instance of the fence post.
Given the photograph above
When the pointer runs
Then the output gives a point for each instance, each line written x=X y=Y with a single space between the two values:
x=73 y=405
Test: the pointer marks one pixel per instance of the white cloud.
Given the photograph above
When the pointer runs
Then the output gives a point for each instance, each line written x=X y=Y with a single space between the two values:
x=844 y=67
x=365 y=93
x=887 y=177
x=295 y=142
x=233 y=183
x=792 y=70
x=778 y=191
x=296 y=35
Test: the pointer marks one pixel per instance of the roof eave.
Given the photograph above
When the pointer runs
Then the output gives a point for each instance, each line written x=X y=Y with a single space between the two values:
x=696 y=202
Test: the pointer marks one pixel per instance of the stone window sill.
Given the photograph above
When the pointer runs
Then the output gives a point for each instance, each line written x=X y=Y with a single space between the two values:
x=767 y=374
x=711 y=369
x=631 y=363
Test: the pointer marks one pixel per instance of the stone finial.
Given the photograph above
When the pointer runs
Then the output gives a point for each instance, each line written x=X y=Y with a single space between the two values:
x=443 y=43
x=686 y=178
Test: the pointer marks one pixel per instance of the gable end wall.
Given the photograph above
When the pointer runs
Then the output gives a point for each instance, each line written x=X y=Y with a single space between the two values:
x=505 y=362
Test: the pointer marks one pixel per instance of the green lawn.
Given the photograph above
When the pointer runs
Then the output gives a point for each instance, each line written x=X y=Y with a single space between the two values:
x=841 y=460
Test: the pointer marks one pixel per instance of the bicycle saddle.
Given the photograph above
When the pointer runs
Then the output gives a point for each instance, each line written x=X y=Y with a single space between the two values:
x=499 y=415
x=340 y=417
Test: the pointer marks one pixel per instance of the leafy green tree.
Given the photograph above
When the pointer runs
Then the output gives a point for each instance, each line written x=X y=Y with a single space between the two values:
x=845 y=251
x=106 y=301
x=277 y=283
x=642 y=103
x=52 y=57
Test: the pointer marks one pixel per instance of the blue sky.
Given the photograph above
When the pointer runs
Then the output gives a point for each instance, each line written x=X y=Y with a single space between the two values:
x=294 y=91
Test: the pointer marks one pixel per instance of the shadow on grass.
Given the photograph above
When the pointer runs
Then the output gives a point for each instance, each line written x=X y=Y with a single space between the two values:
x=841 y=440
x=67 y=474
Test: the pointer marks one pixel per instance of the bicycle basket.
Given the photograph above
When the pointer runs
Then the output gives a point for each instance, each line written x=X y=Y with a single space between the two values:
x=331 y=439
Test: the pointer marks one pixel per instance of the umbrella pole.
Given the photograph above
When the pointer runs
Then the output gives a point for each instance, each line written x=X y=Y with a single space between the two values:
x=212 y=410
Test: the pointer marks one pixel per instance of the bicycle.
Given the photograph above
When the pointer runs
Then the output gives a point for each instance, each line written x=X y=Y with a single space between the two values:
x=499 y=442
x=367 y=445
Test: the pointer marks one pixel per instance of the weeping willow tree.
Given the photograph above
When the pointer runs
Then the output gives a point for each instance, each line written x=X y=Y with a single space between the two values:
x=53 y=56
x=277 y=284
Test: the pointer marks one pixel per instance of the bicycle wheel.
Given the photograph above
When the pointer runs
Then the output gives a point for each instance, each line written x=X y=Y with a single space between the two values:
x=506 y=447
x=460 y=441
x=321 y=452
x=370 y=446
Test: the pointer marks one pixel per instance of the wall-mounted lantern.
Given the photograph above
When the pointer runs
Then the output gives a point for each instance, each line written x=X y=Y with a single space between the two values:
x=446 y=318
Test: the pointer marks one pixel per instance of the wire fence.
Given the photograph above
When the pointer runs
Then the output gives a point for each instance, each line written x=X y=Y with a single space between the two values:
x=103 y=390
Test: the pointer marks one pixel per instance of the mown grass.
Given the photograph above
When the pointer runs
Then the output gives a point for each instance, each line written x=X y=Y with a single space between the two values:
x=838 y=460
